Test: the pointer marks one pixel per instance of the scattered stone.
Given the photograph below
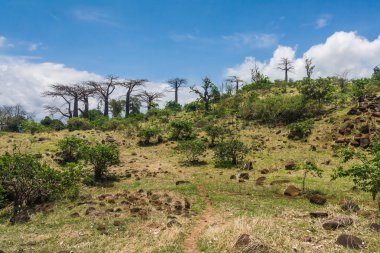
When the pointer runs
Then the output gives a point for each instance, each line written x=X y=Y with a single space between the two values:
x=116 y=223
x=243 y=241
x=90 y=210
x=290 y=166
x=246 y=244
x=349 y=241
x=101 y=227
x=349 y=205
x=317 y=199
x=260 y=180
x=337 y=223
x=182 y=182
x=187 y=204
x=233 y=177
x=292 y=191
x=318 y=215
x=247 y=166
x=264 y=171
x=74 y=215
x=375 y=227
x=244 y=176
x=173 y=223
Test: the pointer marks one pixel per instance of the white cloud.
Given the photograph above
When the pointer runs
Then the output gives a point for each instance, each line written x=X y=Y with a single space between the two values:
x=322 y=21
x=34 y=46
x=342 y=51
x=252 y=40
x=23 y=81
x=2 y=41
x=94 y=15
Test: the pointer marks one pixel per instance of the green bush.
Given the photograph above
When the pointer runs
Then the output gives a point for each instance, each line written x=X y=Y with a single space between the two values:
x=173 y=106
x=30 y=182
x=300 y=130
x=102 y=156
x=230 y=152
x=192 y=149
x=32 y=127
x=214 y=132
x=53 y=124
x=192 y=106
x=146 y=134
x=181 y=129
x=70 y=149
x=112 y=124
x=78 y=124
x=277 y=109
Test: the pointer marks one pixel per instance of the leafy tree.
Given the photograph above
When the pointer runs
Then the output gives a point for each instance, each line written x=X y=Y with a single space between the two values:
x=54 y=124
x=102 y=156
x=173 y=106
x=147 y=133
x=177 y=83
x=300 y=130
x=365 y=173
x=230 y=152
x=32 y=127
x=117 y=107
x=362 y=87
x=181 y=129
x=309 y=168
x=214 y=132
x=208 y=94
x=135 y=105
x=376 y=74
x=192 y=149
x=78 y=124
x=71 y=149
x=30 y=181
x=318 y=89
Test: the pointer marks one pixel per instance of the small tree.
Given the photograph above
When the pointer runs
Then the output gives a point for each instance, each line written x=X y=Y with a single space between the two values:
x=78 y=124
x=309 y=168
x=181 y=129
x=102 y=156
x=231 y=151
x=147 y=133
x=208 y=94
x=192 y=149
x=117 y=107
x=300 y=130
x=365 y=174
x=318 y=89
x=70 y=149
x=30 y=181
x=214 y=132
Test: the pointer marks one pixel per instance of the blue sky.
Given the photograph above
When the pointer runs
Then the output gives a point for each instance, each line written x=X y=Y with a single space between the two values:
x=50 y=41
x=162 y=39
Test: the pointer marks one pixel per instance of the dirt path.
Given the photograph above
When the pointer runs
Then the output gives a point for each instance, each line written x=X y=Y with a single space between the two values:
x=190 y=244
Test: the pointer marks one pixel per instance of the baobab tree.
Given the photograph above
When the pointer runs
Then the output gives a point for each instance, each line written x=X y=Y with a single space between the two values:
x=104 y=89
x=130 y=85
x=236 y=80
x=309 y=67
x=209 y=92
x=69 y=97
x=286 y=65
x=177 y=83
x=150 y=97
x=85 y=92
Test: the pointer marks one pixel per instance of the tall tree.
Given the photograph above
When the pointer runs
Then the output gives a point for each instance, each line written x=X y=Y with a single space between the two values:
x=85 y=92
x=236 y=80
x=177 y=83
x=286 y=65
x=104 y=89
x=150 y=97
x=130 y=85
x=117 y=107
x=309 y=67
x=66 y=93
x=207 y=94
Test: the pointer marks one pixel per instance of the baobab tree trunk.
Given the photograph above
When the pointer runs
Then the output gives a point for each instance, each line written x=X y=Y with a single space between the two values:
x=286 y=76
x=86 y=107
x=127 y=104
x=105 y=106
x=176 y=95
x=76 y=109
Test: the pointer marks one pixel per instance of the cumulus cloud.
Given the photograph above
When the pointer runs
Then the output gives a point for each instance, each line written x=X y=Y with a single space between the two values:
x=341 y=52
x=2 y=41
x=23 y=81
x=252 y=40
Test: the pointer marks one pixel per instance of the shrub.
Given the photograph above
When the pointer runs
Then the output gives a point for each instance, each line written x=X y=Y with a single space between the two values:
x=147 y=133
x=30 y=182
x=318 y=90
x=102 y=156
x=78 y=124
x=214 y=131
x=181 y=130
x=300 y=130
x=70 y=149
x=230 y=152
x=173 y=106
x=32 y=127
x=366 y=173
x=192 y=106
x=277 y=109
x=192 y=149
x=53 y=124
x=112 y=124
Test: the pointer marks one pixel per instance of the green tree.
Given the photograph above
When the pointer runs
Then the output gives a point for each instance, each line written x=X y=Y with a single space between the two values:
x=309 y=168
x=230 y=152
x=365 y=173
x=181 y=129
x=117 y=107
x=102 y=156
x=318 y=89
x=214 y=131
x=209 y=93
x=71 y=149
x=147 y=133
x=192 y=149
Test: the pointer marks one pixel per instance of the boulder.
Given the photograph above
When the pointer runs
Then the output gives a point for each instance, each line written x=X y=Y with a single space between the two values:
x=182 y=182
x=317 y=199
x=260 y=180
x=264 y=171
x=280 y=181
x=349 y=241
x=337 y=223
x=350 y=205
x=244 y=176
x=292 y=191
x=233 y=177
x=173 y=223
x=247 y=245
x=290 y=166
x=318 y=215
x=375 y=227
